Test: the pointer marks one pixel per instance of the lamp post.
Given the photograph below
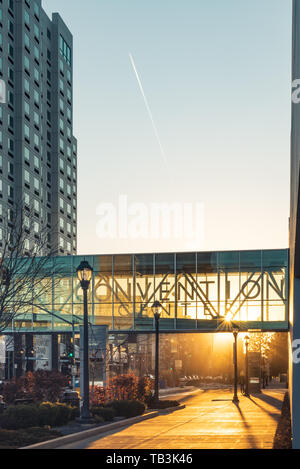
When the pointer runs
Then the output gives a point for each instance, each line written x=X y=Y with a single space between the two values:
x=84 y=273
x=156 y=308
x=235 y=332
x=247 y=338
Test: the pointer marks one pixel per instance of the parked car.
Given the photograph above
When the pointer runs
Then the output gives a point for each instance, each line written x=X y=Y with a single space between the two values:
x=71 y=398
x=183 y=381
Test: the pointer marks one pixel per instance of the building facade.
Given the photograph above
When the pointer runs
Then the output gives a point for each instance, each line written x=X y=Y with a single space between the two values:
x=294 y=271
x=38 y=159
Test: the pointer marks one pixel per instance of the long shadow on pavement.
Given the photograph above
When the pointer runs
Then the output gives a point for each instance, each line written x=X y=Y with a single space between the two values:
x=271 y=414
x=273 y=401
x=250 y=437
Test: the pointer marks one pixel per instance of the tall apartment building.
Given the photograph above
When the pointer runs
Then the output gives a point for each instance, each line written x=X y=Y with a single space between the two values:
x=38 y=152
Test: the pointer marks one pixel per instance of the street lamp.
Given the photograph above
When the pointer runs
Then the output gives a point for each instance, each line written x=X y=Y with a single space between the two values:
x=156 y=308
x=247 y=338
x=235 y=331
x=84 y=273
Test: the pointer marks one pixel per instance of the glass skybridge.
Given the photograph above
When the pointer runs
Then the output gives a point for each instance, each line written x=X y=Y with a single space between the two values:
x=199 y=291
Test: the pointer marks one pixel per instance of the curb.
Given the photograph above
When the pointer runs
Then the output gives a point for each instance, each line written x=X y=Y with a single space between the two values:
x=55 y=443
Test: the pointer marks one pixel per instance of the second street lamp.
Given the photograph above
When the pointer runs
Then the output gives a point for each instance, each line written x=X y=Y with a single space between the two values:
x=156 y=308
x=84 y=273
x=247 y=338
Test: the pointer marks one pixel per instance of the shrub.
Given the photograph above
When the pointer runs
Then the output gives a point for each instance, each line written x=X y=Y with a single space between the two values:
x=127 y=408
x=21 y=416
x=10 y=439
x=99 y=396
x=106 y=413
x=45 y=414
x=64 y=414
x=40 y=385
x=98 y=419
x=145 y=386
x=122 y=387
x=152 y=404
x=55 y=415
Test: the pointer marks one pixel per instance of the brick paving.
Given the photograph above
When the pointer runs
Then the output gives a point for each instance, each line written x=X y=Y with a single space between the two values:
x=210 y=420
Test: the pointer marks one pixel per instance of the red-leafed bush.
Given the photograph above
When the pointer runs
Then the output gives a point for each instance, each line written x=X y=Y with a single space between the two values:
x=40 y=385
x=122 y=387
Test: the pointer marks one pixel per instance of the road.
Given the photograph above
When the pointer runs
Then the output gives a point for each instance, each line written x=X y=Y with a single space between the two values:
x=210 y=420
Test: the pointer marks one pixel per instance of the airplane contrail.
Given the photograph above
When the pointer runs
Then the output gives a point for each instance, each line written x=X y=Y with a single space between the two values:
x=148 y=109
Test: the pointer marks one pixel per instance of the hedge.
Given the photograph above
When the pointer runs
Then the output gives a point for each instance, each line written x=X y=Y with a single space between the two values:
x=152 y=404
x=13 y=439
x=107 y=413
x=127 y=408
x=34 y=415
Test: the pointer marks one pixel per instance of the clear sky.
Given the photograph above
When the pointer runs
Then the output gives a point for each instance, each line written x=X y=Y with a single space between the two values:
x=216 y=75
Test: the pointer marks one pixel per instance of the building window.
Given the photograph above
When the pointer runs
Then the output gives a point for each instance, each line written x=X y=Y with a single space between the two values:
x=27 y=197
x=26 y=132
x=26 y=176
x=26 y=63
x=36 y=205
x=26 y=108
x=26 y=17
x=36 y=31
x=36 y=53
x=36 y=162
x=36 y=184
x=26 y=86
x=36 y=140
x=36 y=97
x=26 y=154
x=36 y=9
x=65 y=50
x=36 y=118
x=26 y=41
x=36 y=75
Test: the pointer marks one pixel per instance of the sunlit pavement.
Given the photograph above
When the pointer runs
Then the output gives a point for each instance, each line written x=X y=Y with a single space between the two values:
x=209 y=421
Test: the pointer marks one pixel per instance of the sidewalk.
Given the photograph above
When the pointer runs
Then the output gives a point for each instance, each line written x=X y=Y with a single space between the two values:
x=210 y=420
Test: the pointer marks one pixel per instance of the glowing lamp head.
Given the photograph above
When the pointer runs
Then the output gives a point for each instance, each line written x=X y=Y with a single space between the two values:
x=84 y=272
x=156 y=308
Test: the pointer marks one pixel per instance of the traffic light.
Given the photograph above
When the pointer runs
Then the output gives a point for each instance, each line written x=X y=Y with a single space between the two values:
x=70 y=351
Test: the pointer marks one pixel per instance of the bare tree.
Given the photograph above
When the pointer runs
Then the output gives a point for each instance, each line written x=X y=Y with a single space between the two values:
x=25 y=261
